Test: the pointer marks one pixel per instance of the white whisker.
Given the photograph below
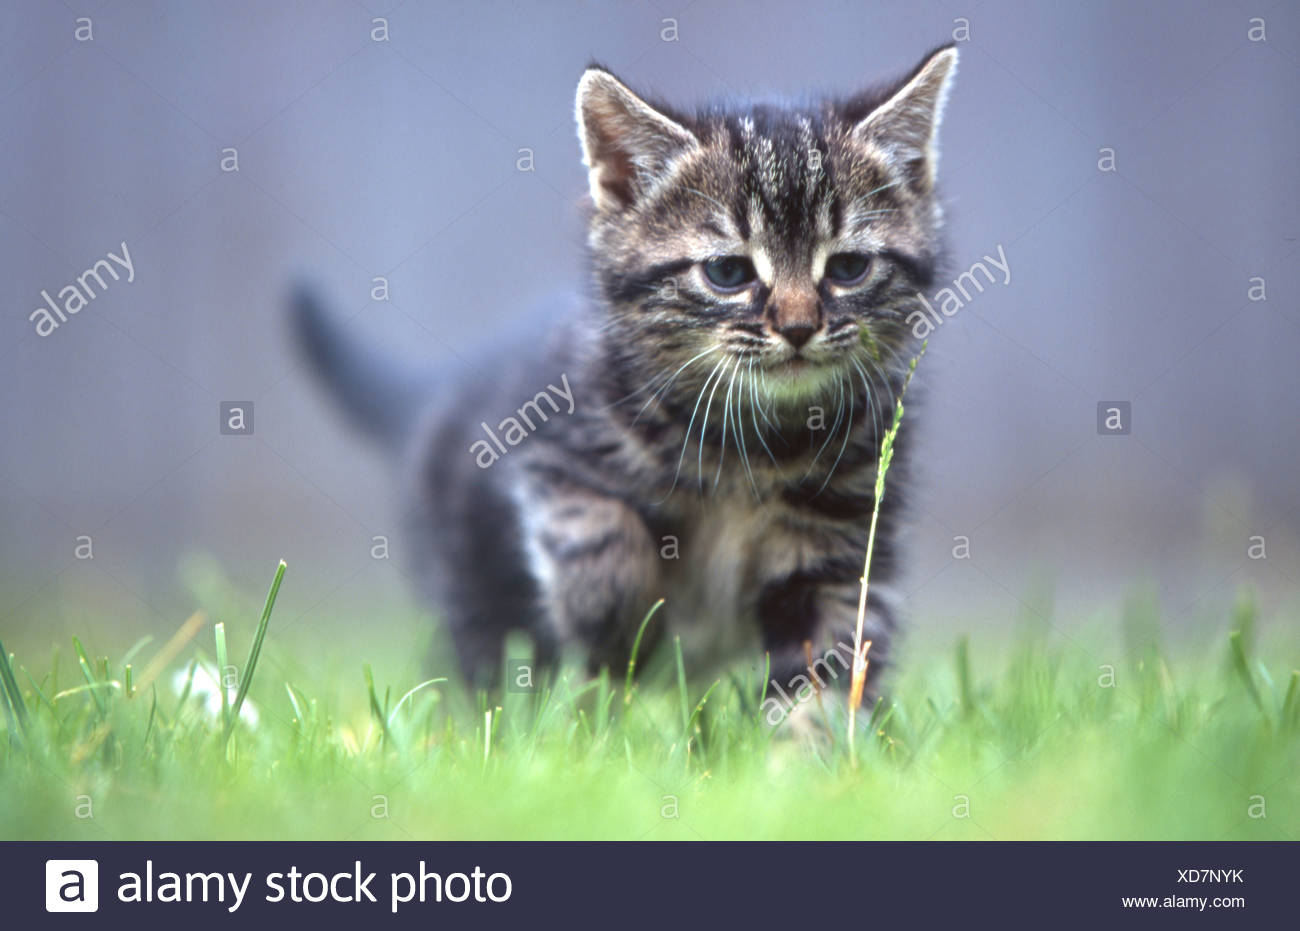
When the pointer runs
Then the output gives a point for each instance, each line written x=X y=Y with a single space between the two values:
x=726 y=409
x=740 y=436
x=871 y=401
x=668 y=384
x=848 y=429
x=754 y=409
x=686 y=438
x=704 y=425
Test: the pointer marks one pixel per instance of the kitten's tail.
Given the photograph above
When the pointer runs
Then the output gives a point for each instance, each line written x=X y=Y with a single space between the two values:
x=379 y=396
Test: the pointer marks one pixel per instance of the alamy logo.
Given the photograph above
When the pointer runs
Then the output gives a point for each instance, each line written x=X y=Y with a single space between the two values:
x=73 y=297
x=513 y=428
x=72 y=885
x=924 y=322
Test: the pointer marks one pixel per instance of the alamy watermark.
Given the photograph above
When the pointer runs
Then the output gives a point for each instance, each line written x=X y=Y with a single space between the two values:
x=74 y=297
x=515 y=429
x=778 y=705
x=924 y=322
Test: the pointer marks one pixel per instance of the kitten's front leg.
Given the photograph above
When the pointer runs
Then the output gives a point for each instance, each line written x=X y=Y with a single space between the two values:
x=597 y=568
x=808 y=620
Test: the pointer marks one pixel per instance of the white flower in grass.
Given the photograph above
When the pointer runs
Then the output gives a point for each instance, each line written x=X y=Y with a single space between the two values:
x=207 y=688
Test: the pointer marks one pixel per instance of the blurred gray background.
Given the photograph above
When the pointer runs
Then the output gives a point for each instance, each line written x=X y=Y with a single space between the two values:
x=364 y=153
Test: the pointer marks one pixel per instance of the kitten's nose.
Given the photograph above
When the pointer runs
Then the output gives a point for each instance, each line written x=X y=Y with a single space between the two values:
x=797 y=334
x=796 y=316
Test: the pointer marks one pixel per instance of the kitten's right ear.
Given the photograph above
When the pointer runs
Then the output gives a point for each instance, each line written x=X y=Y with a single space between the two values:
x=627 y=145
x=905 y=126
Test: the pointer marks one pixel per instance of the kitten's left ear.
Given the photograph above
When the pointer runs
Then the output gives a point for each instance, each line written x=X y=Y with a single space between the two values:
x=627 y=145
x=906 y=125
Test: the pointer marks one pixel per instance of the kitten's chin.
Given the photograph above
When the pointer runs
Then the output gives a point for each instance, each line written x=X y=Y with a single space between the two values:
x=799 y=379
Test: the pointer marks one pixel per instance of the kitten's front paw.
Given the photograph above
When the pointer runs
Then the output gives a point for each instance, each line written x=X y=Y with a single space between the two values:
x=808 y=724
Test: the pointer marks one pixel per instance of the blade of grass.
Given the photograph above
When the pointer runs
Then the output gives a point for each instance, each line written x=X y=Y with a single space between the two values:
x=681 y=682
x=304 y=710
x=877 y=720
x=297 y=708
x=91 y=687
x=604 y=695
x=693 y=723
x=250 y=667
x=861 y=663
x=184 y=634
x=223 y=661
x=187 y=688
x=40 y=693
x=375 y=711
x=859 y=679
x=963 y=675
x=153 y=712
x=401 y=701
x=636 y=648
x=1242 y=665
x=136 y=647
x=1262 y=671
x=11 y=720
x=740 y=690
x=84 y=662
x=699 y=707
x=14 y=697
x=1291 y=703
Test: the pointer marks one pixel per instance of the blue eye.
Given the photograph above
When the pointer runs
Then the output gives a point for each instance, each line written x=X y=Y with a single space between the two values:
x=729 y=272
x=847 y=267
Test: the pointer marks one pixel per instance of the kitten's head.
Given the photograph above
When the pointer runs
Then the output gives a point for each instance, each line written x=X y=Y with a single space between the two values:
x=765 y=237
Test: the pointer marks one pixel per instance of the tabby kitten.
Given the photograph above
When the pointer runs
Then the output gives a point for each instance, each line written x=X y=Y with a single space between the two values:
x=704 y=427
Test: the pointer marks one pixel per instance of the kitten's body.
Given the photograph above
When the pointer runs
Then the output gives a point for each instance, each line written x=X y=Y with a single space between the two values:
x=721 y=448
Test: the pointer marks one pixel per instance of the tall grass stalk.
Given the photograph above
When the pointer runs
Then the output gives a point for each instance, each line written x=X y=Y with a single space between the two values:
x=246 y=679
x=859 y=679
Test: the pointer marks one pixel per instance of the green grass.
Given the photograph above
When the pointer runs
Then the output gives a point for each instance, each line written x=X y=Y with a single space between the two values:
x=1022 y=735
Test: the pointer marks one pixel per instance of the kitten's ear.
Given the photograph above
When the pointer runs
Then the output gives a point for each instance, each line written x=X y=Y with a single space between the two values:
x=626 y=143
x=906 y=125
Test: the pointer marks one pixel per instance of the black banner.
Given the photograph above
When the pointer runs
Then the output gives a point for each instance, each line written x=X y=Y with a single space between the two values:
x=787 y=885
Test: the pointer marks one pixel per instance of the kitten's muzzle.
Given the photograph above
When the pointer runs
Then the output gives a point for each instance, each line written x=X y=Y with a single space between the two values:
x=796 y=318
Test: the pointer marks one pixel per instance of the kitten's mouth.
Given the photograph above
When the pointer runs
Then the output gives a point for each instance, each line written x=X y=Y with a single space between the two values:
x=798 y=376
x=797 y=362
